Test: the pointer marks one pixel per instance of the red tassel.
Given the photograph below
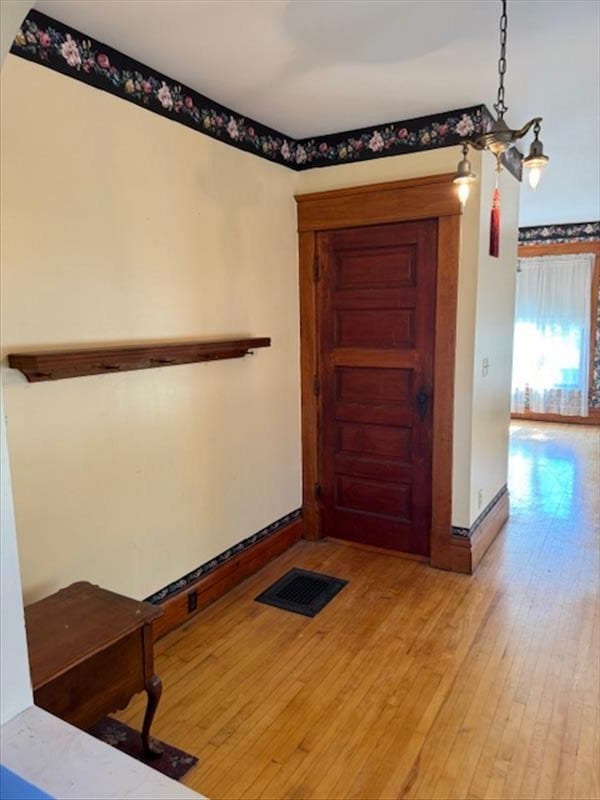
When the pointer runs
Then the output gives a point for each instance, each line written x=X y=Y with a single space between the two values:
x=495 y=225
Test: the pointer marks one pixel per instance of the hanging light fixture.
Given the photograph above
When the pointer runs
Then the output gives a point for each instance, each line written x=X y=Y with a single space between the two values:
x=498 y=140
x=464 y=176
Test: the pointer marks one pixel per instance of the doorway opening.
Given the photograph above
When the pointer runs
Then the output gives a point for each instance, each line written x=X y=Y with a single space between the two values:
x=555 y=333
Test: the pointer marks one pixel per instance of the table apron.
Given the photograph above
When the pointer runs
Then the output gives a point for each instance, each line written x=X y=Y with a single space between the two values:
x=105 y=682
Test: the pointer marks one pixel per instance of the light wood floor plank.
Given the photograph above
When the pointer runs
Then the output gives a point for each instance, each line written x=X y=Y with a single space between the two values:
x=413 y=683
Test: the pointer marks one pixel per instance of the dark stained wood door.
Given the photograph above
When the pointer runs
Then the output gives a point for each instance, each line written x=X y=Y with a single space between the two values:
x=376 y=317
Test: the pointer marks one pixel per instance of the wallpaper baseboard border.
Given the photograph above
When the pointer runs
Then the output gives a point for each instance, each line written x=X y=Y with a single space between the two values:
x=470 y=546
x=183 y=605
x=468 y=532
x=209 y=566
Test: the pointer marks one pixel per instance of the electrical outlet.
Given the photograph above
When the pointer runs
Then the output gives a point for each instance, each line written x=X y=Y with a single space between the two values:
x=479 y=498
x=192 y=601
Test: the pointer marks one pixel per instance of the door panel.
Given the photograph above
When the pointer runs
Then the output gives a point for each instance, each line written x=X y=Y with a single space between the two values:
x=386 y=267
x=380 y=328
x=376 y=441
x=373 y=496
x=376 y=315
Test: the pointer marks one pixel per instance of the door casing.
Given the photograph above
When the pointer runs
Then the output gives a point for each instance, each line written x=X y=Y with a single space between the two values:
x=431 y=197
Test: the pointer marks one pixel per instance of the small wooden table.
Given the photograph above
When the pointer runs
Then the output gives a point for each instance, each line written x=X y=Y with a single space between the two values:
x=90 y=651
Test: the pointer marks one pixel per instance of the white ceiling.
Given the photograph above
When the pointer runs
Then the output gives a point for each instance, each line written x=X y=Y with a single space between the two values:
x=309 y=67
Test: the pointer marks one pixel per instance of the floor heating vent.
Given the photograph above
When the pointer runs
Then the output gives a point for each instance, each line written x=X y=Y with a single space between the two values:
x=302 y=592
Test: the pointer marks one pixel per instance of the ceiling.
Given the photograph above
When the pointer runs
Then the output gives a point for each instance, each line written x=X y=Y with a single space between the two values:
x=308 y=67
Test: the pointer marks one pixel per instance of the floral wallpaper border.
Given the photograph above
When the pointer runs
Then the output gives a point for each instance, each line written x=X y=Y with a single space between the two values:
x=560 y=234
x=392 y=138
x=490 y=506
x=48 y=42
x=182 y=583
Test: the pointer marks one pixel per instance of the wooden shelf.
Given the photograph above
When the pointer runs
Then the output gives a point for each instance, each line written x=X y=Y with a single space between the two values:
x=51 y=366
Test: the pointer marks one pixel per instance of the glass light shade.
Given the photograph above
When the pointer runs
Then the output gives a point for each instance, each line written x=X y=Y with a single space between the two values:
x=463 y=193
x=535 y=173
x=535 y=162
x=464 y=177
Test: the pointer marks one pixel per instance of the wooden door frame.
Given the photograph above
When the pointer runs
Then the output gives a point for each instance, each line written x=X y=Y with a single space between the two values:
x=564 y=249
x=432 y=197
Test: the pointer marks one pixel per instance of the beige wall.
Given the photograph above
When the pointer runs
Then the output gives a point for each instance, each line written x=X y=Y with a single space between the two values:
x=121 y=226
x=484 y=318
x=494 y=322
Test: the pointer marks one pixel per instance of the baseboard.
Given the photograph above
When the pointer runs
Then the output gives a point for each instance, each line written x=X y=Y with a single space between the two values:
x=224 y=577
x=532 y=416
x=468 y=550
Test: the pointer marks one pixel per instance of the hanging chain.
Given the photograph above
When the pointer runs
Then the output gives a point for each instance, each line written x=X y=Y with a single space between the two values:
x=500 y=106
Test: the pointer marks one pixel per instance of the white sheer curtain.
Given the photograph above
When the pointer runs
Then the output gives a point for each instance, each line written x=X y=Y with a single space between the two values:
x=551 y=357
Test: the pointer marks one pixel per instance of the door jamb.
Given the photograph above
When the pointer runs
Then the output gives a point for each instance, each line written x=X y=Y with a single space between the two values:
x=431 y=197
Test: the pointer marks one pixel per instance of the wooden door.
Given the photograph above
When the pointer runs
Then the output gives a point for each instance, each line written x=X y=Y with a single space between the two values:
x=376 y=313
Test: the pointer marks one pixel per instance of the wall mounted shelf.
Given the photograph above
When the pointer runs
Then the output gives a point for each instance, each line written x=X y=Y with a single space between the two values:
x=51 y=366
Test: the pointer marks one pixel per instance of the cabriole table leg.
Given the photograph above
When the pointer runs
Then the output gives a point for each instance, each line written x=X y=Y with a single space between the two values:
x=154 y=690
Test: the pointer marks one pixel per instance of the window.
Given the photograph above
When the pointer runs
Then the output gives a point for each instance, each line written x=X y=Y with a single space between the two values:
x=551 y=355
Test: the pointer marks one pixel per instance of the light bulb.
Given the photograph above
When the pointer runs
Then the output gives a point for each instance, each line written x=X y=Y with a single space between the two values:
x=536 y=161
x=463 y=193
x=535 y=173
x=464 y=176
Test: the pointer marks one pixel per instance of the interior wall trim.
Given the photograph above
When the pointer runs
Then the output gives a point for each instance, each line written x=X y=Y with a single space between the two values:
x=209 y=566
x=468 y=550
x=560 y=233
x=48 y=42
x=457 y=531
x=428 y=197
x=199 y=593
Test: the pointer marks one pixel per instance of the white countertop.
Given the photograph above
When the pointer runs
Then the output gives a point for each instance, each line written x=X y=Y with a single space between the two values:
x=68 y=763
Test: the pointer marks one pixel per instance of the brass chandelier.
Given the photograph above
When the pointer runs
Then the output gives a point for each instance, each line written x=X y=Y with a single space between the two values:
x=500 y=137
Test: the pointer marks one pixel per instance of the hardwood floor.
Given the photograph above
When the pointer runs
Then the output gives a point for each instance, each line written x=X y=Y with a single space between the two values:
x=412 y=683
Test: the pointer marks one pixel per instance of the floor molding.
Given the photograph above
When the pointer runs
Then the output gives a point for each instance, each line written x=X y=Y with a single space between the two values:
x=458 y=531
x=592 y=419
x=468 y=550
x=223 y=577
